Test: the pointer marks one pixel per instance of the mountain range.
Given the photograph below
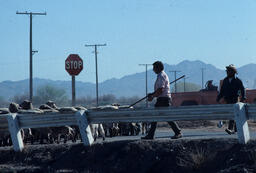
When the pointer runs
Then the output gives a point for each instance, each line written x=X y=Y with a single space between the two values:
x=134 y=84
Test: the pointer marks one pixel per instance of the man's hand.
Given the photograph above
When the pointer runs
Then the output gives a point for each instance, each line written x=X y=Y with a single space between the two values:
x=150 y=96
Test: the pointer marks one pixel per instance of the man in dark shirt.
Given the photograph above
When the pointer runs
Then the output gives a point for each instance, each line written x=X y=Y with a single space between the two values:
x=232 y=90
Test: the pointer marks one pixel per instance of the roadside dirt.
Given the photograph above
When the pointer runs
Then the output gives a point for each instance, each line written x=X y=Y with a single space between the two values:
x=173 y=156
x=143 y=156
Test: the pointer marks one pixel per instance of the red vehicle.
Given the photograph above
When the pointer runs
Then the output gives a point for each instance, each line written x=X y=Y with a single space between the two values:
x=205 y=97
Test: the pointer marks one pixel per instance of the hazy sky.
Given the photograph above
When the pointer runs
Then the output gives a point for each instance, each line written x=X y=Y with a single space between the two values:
x=219 y=32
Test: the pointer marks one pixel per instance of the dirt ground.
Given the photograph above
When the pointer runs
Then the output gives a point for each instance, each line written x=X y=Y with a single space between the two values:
x=172 y=156
x=211 y=155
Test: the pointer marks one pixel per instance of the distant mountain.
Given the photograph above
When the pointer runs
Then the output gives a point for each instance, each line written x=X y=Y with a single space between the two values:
x=194 y=70
x=134 y=84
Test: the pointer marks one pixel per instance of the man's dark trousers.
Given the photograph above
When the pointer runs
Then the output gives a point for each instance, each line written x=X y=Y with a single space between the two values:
x=163 y=102
x=231 y=123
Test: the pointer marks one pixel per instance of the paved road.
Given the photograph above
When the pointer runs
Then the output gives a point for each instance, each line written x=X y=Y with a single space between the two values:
x=165 y=134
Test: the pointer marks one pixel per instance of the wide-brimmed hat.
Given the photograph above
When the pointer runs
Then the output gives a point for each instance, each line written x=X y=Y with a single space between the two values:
x=231 y=67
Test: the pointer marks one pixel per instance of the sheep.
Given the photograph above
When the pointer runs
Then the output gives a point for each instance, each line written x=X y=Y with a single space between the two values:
x=99 y=127
x=41 y=134
x=96 y=129
x=145 y=127
x=26 y=135
x=65 y=131
x=5 y=139
x=111 y=129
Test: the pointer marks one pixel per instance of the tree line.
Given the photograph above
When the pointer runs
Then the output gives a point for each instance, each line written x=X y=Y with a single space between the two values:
x=60 y=97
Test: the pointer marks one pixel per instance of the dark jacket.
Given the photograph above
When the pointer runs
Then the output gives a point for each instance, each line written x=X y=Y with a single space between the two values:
x=231 y=90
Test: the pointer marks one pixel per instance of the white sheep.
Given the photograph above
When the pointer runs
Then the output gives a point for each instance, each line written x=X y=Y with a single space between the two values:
x=96 y=129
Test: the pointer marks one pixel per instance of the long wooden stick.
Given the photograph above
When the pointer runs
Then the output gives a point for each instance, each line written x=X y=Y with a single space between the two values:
x=177 y=79
x=147 y=96
x=138 y=101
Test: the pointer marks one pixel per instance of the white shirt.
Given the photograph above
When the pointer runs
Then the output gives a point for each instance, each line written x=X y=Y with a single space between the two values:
x=230 y=79
x=162 y=81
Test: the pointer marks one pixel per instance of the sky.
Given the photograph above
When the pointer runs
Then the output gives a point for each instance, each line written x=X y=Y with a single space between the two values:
x=217 y=32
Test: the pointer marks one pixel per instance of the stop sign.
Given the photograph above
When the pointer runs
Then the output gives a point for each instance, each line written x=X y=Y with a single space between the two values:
x=74 y=64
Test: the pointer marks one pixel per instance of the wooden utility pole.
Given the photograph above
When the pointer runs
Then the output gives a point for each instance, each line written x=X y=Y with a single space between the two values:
x=202 y=77
x=146 y=65
x=96 y=64
x=175 y=86
x=31 y=52
x=185 y=83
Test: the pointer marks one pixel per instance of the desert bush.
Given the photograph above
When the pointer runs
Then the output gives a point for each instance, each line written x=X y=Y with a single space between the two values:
x=90 y=102
x=188 y=87
x=20 y=98
x=196 y=159
x=3 y=102
x=47 y=92
x=107 y=99
x=110 y=99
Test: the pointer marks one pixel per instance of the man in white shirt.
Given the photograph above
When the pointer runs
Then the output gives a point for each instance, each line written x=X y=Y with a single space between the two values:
x=162 y=92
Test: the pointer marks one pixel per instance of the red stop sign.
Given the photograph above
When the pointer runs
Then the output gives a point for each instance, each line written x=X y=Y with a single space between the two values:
x=74 y=64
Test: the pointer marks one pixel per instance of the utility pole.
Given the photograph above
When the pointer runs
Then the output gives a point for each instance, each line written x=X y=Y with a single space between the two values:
x=202 y=77
x=96 y=64
x=31 y=52
x=185 y=83
x=175 y=72
x=146 y=65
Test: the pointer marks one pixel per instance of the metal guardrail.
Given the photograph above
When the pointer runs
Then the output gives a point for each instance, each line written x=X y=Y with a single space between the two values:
x=207 y=112
x=3 y=123
x=240 y=112
x=45 y=120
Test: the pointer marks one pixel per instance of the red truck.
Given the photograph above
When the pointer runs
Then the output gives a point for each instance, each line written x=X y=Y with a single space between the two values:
x=205 y=97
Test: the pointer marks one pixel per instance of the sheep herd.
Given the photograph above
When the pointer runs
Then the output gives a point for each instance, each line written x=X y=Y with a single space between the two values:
x=66 y=133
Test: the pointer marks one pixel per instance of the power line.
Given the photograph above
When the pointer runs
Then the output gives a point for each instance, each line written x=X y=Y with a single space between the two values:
x=31 y=52
x=96 y=64
x=146 y=65
x=185 y=83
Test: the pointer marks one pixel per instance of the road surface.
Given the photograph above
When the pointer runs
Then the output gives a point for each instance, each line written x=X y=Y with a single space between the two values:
x=166 y=133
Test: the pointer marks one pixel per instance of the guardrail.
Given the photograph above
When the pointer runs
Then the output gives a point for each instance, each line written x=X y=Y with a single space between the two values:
x=240 y=112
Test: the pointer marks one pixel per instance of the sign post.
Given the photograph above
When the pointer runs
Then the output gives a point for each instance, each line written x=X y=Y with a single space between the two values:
x=73 y=65
x=73 y=90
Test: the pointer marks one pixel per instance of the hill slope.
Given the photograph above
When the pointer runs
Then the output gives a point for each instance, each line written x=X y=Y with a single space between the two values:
x=134 y=84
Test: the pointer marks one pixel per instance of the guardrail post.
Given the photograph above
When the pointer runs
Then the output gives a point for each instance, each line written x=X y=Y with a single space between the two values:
x=84 y=128
x=241 y=123
x=15 y=133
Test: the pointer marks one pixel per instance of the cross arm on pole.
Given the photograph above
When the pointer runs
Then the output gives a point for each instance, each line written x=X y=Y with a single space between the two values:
x=28 y=13
x=92 y=45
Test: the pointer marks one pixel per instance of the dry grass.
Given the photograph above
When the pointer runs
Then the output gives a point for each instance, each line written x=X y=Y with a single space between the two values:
x=196 y=159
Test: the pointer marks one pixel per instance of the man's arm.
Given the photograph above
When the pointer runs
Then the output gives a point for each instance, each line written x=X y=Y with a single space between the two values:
x=243 y=98
x=157 y=93
x=220 y=95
